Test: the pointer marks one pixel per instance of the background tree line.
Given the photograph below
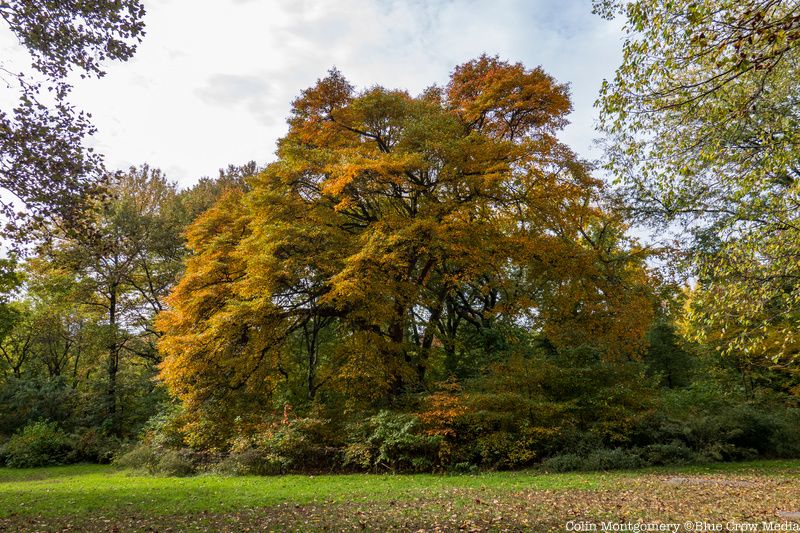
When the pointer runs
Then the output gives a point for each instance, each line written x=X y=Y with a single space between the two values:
x=437 y=282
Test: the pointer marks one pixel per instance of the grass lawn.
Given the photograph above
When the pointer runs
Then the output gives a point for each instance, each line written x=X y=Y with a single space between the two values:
x=90 y=497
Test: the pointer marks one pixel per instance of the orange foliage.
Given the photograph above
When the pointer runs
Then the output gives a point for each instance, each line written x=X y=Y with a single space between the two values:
x=441 y=410
x=382 y=214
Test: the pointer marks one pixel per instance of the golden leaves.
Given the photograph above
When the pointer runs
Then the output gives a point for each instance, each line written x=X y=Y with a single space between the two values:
x=386 y=215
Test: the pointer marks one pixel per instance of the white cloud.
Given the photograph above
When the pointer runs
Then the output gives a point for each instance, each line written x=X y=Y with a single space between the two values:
x=230 y=90
x=212 y=82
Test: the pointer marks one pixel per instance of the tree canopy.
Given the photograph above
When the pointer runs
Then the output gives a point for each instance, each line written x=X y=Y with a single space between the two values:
x=51 y=175
x=418 y=282
x=701 y=119
x=388 y=227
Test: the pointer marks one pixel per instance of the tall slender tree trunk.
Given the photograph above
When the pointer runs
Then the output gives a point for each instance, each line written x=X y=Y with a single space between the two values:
x=311 y=336
x=430 y=334
x=398 y=350
x=113 y=362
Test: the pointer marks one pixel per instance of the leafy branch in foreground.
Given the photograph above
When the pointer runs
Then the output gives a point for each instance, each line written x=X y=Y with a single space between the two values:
x=701 y=125
x=49 y=173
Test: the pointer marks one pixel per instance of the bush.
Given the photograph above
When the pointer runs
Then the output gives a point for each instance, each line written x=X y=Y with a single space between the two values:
x=393 y=441
x=251 y=462
x=94 y=446
x=138 y=457
x=674 y=453
x=157 y=461
x=175 y=463
x=603 y=459
x=300 y=444
x=514 y=450
x=38 y=444
x=616 y=459
x=567 y=462
x=785 y=441
x=720 y=426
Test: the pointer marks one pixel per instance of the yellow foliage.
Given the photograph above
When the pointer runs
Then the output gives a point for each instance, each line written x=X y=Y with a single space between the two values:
x=387 y=214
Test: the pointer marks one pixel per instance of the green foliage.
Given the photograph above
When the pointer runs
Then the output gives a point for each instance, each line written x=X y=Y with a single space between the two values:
x=392 y=441
x=138 y=457
x=701 y=126
x=175 y=463
x=300 y=444
x=251 y=462
x=613 y=459
x=504 y=449
x=23 y=401
x=603 y=459
x=718 y=425
x=531 y=407
x=673 y=453
x=91 y=445
x=162 y=461
x=38 y=444
x=293 y=444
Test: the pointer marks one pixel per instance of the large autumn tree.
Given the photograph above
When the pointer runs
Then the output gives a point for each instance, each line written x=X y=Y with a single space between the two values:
x=387 y=226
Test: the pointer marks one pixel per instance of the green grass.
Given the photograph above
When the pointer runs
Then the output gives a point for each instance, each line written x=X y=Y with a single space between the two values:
x=64 y=490
x=86 y=497
x=91 y=488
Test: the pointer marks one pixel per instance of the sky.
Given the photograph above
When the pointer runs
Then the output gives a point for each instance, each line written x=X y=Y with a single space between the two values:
x=212 y=82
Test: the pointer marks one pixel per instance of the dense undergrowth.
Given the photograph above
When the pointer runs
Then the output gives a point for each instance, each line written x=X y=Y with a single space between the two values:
x=531 y=412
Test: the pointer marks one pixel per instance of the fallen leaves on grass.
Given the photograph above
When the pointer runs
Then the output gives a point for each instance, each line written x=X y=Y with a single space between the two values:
x=651 y=498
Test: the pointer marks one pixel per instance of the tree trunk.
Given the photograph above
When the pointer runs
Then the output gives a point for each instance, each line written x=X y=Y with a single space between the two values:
x=113 y=364
x=311 y=348
x=398 y=351
x=430 y=334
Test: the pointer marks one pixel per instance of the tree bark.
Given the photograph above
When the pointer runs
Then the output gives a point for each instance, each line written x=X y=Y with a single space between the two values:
x=113 y=363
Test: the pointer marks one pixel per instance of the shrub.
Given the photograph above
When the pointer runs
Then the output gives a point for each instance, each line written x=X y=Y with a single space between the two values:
x=494 y=448
x=138 y=457
x=720 y=425
x=674 y=453
x=94 y=446
x=505 y=450
x=38 y=444
x=463 y=468
x=785 y=441
x=393 y=441
x=251 y=462
x=616 y=459
x=301 y=444
x=567 y=462
x=156 y=460
x=603 y=459
x=724 y=451
x=359 y=454
x=175 y=463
